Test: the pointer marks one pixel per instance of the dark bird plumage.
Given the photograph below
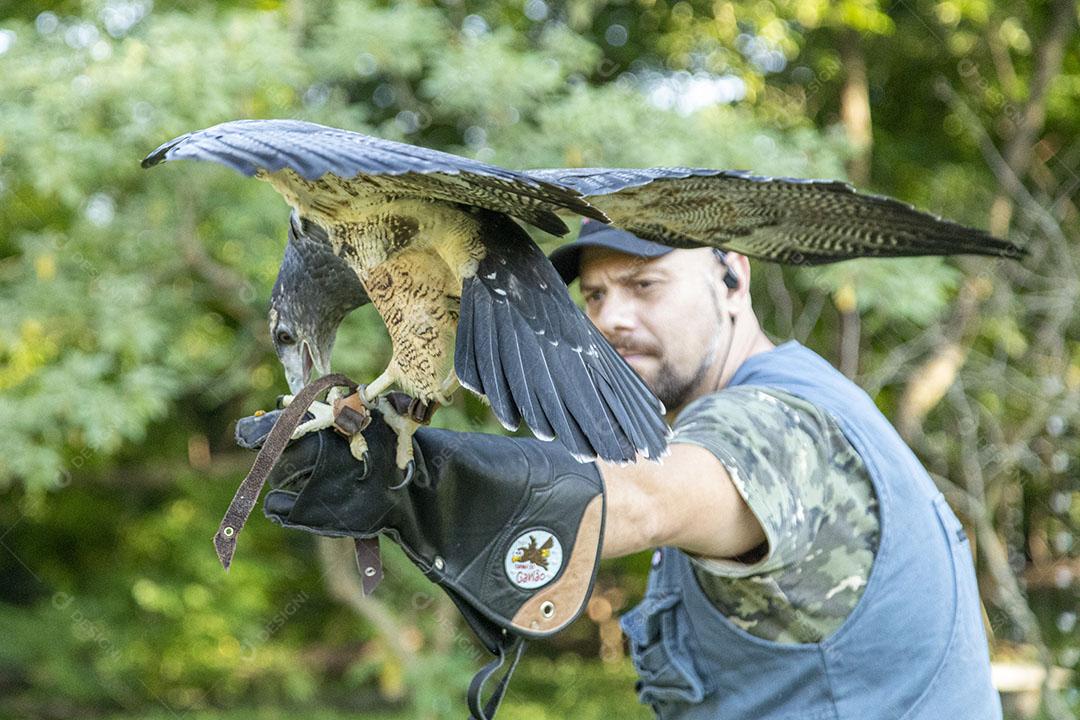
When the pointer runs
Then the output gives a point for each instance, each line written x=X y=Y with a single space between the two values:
x=802 y=222
x=314 y=291
x=520 y=345
x=463 y=289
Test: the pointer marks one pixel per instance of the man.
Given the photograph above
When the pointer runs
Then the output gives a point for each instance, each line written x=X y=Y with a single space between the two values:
x=807 y=568
x=810 y=568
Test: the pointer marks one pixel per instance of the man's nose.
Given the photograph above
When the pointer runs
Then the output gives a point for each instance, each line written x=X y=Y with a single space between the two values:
x=615 y=318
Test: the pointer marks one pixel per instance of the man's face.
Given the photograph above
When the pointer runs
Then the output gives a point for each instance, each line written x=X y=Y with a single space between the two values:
x=668 y=317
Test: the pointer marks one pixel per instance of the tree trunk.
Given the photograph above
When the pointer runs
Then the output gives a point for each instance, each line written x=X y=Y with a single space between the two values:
x=855 y=108
x=856 y=118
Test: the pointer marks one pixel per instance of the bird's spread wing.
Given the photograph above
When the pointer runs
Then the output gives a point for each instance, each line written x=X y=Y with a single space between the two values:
x=804 y=222
x=327 y=170
x=525 y=345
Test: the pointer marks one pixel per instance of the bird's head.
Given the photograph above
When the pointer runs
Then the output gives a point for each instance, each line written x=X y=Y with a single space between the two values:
x=313 y=293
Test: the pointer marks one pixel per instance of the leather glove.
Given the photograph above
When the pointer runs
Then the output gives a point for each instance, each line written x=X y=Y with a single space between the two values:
x=514 y=525
x=511 y=528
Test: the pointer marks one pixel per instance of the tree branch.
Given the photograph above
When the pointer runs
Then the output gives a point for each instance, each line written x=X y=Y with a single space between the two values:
x=340 y=574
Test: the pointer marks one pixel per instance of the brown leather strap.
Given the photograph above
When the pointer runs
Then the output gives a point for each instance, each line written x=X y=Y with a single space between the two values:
x=351 y=415
x=369 y=563
x=414 y=408
x=248 y=492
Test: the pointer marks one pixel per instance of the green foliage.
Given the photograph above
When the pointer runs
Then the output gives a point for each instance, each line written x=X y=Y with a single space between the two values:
x=140 y=611
x=132 y=303
x=915 y=289
x=566 y=686
x=109 y=320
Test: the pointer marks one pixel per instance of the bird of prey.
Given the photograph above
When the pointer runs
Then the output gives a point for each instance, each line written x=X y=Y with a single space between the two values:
x=314 y=291
x=468 y=297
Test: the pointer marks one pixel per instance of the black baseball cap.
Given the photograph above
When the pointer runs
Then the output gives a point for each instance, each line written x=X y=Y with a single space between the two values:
x=567 y=258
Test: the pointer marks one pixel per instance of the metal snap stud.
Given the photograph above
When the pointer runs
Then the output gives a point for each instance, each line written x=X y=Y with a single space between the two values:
x=369 y=571
x=439 y=564
x=228 y=532
x=547 y=609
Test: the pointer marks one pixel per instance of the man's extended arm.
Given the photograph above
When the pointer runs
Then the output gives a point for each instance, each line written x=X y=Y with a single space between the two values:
x=687 y=501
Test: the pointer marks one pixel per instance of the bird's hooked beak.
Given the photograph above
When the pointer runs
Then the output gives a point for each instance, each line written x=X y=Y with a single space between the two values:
x=299 y=360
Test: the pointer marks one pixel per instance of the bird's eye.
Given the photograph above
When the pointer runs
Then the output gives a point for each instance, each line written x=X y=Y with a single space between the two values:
x=284 y=337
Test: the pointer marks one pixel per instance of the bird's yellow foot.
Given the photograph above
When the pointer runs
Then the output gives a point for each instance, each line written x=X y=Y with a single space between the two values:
x=338 y=392
x=397 y=410
x=322 y=412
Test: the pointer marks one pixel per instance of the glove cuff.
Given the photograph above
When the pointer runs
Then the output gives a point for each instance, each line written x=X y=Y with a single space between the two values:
x=535 y=577
x=511 y=526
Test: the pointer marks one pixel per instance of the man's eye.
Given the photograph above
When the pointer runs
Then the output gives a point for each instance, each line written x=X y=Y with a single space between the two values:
x=644 y=284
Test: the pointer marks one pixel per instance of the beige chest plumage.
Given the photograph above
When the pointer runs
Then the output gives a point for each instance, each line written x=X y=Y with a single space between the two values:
x=412 y=257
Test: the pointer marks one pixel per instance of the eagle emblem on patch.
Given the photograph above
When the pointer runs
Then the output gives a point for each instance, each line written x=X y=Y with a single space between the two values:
x=534 y=559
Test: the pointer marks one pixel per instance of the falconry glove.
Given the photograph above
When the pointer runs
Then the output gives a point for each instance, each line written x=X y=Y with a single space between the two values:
x=510 y=528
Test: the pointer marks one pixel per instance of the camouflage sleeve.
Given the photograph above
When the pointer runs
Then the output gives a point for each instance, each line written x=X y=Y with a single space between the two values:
x=774 y=454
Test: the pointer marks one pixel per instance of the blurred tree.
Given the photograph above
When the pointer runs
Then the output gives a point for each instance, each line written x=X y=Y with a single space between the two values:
x=132 y=305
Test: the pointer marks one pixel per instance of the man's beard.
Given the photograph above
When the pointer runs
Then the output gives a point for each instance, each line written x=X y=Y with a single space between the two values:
x=675 y=390
x=671 y=387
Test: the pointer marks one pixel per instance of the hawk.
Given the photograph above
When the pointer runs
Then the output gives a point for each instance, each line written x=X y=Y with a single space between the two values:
x=467 y=296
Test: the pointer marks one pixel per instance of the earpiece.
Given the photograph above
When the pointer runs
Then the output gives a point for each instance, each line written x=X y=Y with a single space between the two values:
x=730 y=278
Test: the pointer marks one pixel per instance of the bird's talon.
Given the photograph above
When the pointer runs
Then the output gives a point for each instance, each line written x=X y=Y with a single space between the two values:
x=359 y=449
x=369 y=403
x=410 y=470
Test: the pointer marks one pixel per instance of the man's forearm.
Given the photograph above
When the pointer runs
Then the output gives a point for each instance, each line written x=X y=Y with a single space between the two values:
x=687 y=500
x=633 y=517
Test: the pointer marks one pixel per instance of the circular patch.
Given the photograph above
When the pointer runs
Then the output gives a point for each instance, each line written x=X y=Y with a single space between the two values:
x=534 y=559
